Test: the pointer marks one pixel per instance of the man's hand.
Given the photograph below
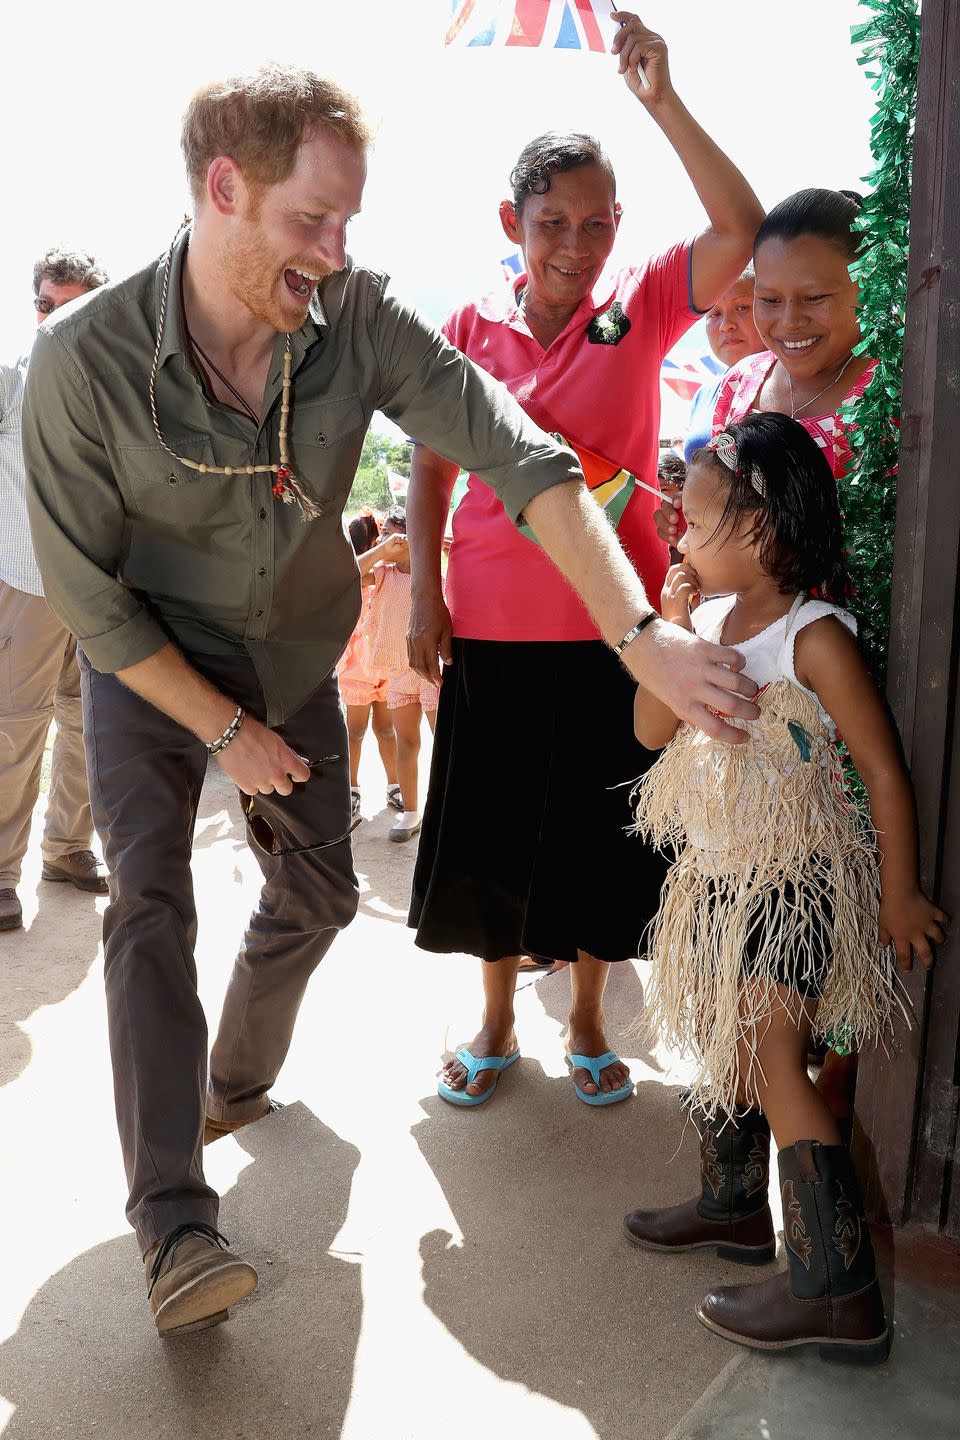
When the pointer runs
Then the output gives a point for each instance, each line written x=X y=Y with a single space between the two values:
x=698 y=681
x=429 y=635
x=259 y=762
x=643 y=58
x=680 y=594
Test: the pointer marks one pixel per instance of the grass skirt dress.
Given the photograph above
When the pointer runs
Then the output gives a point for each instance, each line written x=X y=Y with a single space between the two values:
x=775 y=879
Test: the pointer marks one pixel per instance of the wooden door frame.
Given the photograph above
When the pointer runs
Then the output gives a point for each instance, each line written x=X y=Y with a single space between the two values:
x=907 y=1102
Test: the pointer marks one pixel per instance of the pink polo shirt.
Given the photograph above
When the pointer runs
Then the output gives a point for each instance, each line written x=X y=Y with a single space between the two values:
x=599 y=385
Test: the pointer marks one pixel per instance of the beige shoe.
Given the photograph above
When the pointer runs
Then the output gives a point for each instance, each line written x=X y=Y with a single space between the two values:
x=11 y=915
x=192 y=1281
x=81 y=869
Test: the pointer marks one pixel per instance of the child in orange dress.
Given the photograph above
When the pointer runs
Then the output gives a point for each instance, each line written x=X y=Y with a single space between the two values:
x=383 y=651
x=365 y=694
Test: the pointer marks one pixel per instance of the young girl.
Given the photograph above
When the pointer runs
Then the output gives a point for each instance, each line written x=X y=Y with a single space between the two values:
x=365 y=695
x=781 y=913
x=384 y=651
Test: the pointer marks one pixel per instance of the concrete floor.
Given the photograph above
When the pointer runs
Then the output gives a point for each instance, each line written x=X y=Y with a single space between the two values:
x=424 y=1272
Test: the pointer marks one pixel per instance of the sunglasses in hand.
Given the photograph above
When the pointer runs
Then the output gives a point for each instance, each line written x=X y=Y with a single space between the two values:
x=266 y=836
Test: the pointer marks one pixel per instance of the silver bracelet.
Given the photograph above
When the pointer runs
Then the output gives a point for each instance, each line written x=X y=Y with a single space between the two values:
x=631 y=635
x=214 y=747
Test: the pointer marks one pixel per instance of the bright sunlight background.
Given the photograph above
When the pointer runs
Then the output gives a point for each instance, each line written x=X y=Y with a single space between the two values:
x=92 y=97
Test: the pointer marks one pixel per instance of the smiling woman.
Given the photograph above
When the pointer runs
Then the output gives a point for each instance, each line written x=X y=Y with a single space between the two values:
x=535 y=715
x=806 y=312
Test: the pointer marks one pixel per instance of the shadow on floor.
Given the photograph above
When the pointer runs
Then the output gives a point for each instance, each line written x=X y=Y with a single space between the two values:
x=386 y=866
x=781 y=1397
x=42 y=965
x=544 y=1290
x=623 y=1006
x=86 y=1360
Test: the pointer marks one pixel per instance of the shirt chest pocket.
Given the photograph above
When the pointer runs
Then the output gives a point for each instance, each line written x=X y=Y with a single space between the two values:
x=160 y=489
x=326 y=438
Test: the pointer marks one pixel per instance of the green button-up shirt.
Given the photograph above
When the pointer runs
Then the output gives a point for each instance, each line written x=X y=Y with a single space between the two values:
x=136 y=550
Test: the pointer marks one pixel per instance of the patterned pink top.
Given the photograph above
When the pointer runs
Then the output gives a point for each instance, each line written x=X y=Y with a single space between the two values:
x=738 y=396
x=350 y=667
x=384 y=643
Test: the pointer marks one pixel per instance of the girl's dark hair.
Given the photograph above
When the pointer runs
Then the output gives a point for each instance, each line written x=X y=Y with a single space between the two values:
x=797 y=520
x=364 y=532
x=396 y=516
x=828 y=214
x=551 y=154
x=671 y=467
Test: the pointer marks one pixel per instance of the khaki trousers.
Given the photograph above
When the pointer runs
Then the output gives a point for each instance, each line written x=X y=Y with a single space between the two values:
x=39 y=682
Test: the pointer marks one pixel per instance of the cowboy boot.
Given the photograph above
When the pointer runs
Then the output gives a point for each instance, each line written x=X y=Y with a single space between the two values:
x=829 y=1295
x=731 y=1214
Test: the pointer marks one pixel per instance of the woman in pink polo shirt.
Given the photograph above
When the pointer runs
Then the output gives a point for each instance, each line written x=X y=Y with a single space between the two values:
x=524 y=846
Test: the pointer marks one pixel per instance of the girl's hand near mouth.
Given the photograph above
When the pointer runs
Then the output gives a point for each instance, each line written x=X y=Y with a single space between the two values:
x=680 y=595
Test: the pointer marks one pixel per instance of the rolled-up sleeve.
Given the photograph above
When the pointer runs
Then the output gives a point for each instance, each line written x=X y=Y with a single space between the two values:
x=445 y=401
x=77 y=516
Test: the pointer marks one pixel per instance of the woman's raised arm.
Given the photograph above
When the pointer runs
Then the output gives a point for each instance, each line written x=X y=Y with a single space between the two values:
x=734 y=212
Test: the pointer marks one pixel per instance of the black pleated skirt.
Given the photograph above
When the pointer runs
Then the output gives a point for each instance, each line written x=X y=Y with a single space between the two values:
x=524 y=847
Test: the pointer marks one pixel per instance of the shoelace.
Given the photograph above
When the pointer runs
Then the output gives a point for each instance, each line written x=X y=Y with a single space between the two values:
x=171 y=1241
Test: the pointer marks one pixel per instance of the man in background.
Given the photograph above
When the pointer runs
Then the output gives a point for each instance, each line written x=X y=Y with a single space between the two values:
x=39 y=678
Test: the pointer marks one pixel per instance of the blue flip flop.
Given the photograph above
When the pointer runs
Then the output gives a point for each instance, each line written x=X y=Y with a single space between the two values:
x=595 y=1065
x=473 y=1066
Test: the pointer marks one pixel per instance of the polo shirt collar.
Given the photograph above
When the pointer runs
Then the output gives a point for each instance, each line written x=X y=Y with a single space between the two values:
x=501 y=306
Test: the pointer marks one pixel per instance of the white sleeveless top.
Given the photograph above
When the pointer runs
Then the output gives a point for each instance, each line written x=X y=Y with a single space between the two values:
x=770 y=655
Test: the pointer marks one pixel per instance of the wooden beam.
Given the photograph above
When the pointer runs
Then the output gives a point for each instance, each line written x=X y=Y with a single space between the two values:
x=910 y=1088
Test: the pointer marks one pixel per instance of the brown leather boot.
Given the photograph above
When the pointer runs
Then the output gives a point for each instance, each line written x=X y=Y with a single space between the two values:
x=829 y=1296
x=82 y=869
x=192 y=1282
x=731 y=1214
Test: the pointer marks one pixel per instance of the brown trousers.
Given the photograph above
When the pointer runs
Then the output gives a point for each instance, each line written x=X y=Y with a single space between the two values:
x=146 y=773
x=39 y=682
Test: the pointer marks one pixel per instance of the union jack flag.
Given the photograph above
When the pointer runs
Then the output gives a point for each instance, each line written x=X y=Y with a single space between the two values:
x=543 y=24
x=685 y=376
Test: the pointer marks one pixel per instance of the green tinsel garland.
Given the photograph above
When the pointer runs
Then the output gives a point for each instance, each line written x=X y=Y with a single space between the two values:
x=891 y=41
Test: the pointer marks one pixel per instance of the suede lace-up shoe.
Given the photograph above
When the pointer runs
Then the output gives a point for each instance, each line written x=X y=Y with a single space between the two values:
x=192 y=1281
x=216 y=1129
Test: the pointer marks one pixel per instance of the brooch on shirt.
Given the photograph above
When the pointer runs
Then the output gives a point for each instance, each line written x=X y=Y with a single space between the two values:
x=610 y=327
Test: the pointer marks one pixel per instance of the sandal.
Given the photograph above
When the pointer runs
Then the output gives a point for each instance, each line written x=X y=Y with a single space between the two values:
x=473 y=1066
x=595 y=1065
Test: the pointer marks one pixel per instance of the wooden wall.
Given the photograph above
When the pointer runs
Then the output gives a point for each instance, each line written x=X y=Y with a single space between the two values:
x=907 y=1104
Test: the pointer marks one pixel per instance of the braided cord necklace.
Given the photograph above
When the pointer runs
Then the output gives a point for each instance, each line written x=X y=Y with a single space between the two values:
x=286 y=486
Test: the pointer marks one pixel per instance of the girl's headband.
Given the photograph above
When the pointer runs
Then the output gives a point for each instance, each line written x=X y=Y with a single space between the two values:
x=725 y=448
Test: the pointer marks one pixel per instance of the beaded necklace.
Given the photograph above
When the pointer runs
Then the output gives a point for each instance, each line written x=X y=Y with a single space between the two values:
x=285 y=486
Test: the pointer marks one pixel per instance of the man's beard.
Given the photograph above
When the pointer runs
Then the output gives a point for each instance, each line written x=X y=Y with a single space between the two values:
x=255 y=279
